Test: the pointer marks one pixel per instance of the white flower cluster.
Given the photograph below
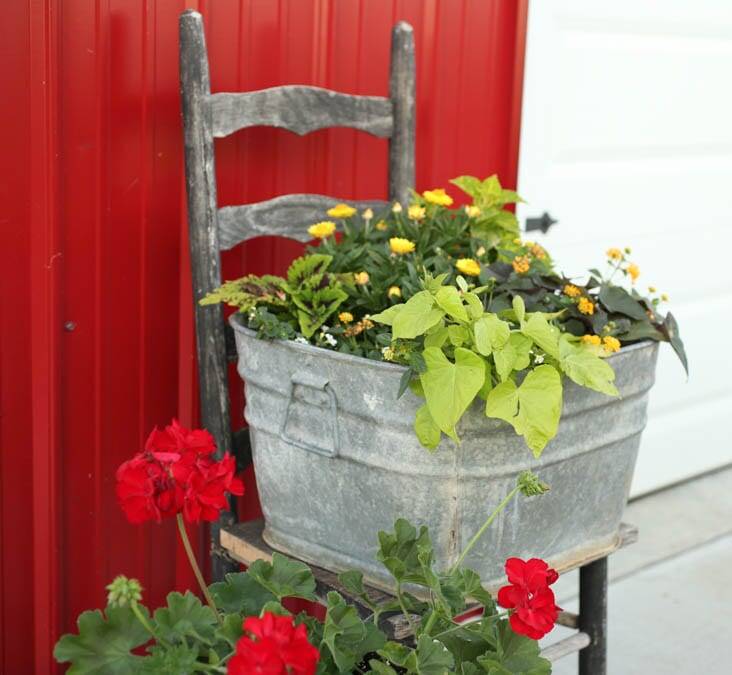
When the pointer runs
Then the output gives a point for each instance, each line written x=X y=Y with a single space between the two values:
x=328 y=337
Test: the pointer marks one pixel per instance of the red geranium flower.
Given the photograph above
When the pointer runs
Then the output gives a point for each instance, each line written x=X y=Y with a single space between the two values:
x=175 y=474
x=273 y=646
x=529 y=595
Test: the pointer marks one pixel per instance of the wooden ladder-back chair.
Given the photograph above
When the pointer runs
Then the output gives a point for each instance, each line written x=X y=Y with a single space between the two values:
x=300 y=109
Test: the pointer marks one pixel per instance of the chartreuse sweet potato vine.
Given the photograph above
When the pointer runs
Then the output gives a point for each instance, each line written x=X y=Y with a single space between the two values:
x=513 y=360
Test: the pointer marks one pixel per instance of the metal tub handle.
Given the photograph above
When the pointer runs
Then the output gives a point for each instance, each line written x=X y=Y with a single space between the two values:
x=319 y=383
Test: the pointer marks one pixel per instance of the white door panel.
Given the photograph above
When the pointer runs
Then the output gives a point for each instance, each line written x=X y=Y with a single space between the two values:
x=627 y=140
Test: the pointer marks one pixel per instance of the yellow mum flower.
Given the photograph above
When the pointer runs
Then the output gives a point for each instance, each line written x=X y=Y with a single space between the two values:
x=586 y=306
x=517 y=241
x=368 y=214
x=361 y=278
x=322 y=229
x=538 y=252
x=611 y=344
x=664 y=297
x=416 y=212
x=381 y=226
x=394 y=292
x=345 y=317
x=401 y=246
x=634 y=271
x=341 y=211
x=397 y=208
x=652 y=289
x=468 y=266
x=437 y=196
x=591 y=339
x=521 y=264
x=473 y=211
x=571 y=290
x=614 y=253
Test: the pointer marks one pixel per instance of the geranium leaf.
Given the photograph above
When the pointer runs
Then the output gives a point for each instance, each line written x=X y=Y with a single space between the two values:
x=104 y=643
x=231 y=629
x=433 y=658
x=177 y=659
x=184 y=617
x=426 y=429
x=449 y=299
x=586 y=368
x=515 y=655
x=399 y=551
x=451 y=387
x=241 y=593
x=348 y=638
x=284 y=578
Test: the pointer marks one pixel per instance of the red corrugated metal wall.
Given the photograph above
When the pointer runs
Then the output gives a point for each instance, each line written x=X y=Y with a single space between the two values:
x=96 y=334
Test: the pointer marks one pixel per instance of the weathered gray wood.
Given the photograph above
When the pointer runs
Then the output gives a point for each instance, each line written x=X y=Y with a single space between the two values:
x=300 y=109
x=570 y=645
x=402 y=88
x=288 y=216
x=204 y=243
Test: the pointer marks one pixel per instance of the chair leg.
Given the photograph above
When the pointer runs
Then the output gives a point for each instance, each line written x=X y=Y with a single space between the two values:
x=593 y=617
x=221 y=564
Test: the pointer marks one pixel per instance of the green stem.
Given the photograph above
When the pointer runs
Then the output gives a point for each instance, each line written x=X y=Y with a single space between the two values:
x=146 y=624
x=412 y=627
x=196 y=569
x=483 y=528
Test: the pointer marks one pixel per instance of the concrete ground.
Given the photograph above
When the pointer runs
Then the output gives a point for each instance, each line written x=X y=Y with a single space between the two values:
x=670 y=599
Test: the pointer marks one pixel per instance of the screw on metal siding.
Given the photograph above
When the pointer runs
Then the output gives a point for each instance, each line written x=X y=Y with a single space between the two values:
x=69 y=326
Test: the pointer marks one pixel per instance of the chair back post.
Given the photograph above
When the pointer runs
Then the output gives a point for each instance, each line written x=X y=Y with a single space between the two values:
x=402 y=93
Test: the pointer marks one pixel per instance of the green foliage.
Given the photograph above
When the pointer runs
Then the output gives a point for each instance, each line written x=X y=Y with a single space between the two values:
x=514 y=361
x=187 y=637
x=104 y=643
x=284 y=578
x=277 y=307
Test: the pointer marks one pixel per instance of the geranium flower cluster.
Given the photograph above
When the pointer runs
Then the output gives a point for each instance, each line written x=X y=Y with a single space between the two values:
x=529 y=596
x=176 y=473
x=273 y=645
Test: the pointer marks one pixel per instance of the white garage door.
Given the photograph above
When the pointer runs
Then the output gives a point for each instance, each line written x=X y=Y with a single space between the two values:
x=627 y=141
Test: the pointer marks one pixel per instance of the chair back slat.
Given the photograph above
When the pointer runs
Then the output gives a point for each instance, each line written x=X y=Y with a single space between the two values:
x=287 y=216
x=300 y=109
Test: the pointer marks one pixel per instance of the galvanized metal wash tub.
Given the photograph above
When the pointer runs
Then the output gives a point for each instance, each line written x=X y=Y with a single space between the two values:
x=336 y=460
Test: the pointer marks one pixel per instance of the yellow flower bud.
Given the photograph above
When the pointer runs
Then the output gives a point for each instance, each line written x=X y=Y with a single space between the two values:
x=416 y=212
x=472 y=211
x=381 y=226
x=368 y=214
x=394 y=292
x=345 y=317
x=361 y=278
x=397 y=208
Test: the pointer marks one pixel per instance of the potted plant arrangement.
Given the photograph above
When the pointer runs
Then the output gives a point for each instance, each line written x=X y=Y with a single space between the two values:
x=414 y=361
x=245 y=625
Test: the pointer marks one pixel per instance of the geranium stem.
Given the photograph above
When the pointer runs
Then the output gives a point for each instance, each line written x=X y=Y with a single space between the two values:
x=194 y=566
x=483 y=528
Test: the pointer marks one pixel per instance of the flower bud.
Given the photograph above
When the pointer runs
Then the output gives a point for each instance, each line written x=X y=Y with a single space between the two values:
x=530 y=485
x=123 y=591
